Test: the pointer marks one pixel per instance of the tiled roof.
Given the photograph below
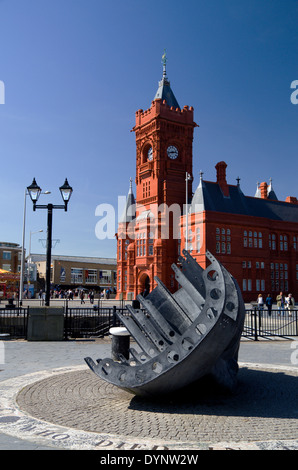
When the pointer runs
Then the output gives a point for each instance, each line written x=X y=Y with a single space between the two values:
x=209 y=197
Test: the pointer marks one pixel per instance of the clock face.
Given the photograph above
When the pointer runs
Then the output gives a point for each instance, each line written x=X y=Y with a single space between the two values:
x=150 y=154
x=172 y=152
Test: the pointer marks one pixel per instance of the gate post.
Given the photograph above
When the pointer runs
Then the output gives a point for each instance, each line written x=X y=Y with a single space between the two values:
x=255 y=323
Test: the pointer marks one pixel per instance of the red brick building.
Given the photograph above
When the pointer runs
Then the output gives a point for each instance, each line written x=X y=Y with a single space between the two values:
x=256 y=238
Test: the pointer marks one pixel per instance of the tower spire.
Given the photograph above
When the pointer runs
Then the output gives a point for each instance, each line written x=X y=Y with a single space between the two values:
x=164 y=91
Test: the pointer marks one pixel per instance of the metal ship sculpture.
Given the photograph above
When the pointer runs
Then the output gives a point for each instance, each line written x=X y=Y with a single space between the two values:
x=181 y=337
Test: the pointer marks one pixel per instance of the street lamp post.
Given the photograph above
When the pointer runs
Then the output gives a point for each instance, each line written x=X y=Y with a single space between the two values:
x=23 y=248
x=34 y=191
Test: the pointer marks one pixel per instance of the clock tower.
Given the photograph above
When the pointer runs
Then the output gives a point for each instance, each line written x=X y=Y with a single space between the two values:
x=164 y=138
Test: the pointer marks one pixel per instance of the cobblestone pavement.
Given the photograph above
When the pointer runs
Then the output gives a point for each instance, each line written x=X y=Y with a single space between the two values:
x=51 y=399
x=265 y=405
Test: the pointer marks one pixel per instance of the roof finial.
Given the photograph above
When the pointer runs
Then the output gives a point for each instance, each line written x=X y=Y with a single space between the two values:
x=164 y=63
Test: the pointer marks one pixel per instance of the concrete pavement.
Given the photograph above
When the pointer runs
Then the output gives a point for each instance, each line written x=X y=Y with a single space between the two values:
x=50 y=400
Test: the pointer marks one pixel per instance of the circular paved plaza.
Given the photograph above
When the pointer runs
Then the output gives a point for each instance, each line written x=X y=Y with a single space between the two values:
x=262 y=409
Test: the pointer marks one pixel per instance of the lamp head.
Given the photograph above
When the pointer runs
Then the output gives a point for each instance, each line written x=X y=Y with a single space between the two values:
x=66 y=192
x=34 y=192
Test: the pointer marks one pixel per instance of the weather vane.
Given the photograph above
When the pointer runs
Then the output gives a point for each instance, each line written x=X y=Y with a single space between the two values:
x=164 y=63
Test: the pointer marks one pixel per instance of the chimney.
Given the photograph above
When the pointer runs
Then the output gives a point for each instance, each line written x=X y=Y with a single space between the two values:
x=292 y=200
x=264 y=190
x=221 y=178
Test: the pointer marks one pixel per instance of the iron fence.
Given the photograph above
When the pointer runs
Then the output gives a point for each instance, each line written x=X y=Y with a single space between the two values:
x=93 y=321
x=260 y=323
x=83 y=322
x=14 y=322
x=96 y=320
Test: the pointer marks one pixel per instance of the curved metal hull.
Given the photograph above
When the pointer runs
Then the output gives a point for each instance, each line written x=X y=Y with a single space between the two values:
x=182 y=336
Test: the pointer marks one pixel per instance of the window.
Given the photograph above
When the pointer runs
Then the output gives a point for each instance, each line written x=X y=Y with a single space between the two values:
x=252 y=239
x=91 y=276
x=283 y=243
x=198 y=240
x=260 y=285
x=279 y=276
x=150 y=243
x=146 y=189
x=105 y=276
x=125 y=248
x=76 y=275
x=141 y=244
x=223 y=241
x=7 y=255
x=190 y=240
x=272 y=241
x=260 y=265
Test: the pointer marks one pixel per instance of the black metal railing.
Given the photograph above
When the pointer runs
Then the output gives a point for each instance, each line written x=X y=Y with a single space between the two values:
x=95 y=320
x=14 y=322
x=92 y=321
x=260 y=323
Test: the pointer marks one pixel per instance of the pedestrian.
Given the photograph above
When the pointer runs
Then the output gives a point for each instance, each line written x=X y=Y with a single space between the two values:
x=82 y=297
x=260 y=301
x=280 y=302
x=269 y=302
x=91 y=297
x=291 y=304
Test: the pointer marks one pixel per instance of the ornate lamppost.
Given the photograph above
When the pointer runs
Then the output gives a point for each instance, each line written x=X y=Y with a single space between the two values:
x=34 y=191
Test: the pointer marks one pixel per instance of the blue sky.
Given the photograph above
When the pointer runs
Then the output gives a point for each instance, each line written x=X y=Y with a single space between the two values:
x=75 y=72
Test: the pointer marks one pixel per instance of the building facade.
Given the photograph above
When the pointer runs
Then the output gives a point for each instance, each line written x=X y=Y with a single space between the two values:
x=71 y=272
x=255 y=238
x=10 y=257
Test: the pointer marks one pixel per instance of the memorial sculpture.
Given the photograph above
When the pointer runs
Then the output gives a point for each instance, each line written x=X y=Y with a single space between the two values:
x=181 y=337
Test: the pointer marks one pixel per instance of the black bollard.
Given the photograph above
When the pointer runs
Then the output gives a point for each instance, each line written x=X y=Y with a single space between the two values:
x=120 y=342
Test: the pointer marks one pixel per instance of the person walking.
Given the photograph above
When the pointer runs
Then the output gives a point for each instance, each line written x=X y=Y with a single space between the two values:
x=269 y=302
x=291 y=304
x=280 y=302
x=82 y=297
x=260 y=302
